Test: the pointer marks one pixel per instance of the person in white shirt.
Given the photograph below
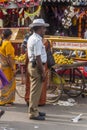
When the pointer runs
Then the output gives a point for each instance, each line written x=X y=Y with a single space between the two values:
x=85 y=34
x=37 y=58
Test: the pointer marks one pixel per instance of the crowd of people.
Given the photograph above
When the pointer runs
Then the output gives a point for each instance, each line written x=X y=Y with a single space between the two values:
x=36 y=60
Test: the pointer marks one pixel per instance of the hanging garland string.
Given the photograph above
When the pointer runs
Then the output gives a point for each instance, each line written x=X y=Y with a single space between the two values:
x=34 y=13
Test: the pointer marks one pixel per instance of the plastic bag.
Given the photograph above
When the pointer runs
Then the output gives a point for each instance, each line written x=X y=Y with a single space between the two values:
x=57 y=80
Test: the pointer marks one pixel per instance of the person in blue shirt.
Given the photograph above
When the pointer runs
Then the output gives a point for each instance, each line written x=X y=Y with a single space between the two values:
x=24 y=44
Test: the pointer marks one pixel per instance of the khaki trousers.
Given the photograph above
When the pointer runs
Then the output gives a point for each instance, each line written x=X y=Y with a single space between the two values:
x=35 y=89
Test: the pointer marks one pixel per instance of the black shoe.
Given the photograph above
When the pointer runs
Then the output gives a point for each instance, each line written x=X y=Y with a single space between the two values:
x=1 y=113
x=42 y=114
x=38 y=118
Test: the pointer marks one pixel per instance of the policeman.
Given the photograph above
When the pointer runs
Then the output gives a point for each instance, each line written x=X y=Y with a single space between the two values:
x=37 y=59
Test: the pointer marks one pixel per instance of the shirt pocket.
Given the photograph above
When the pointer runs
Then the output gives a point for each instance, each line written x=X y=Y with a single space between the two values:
x=43 y=50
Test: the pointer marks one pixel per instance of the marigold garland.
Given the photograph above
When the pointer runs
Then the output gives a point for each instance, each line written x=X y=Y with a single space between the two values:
x=34 y=13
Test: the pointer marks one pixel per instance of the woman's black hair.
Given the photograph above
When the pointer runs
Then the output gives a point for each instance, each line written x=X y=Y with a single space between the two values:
x=5 y=34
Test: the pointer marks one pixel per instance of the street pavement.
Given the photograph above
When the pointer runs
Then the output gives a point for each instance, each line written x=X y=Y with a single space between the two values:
x=58 y=117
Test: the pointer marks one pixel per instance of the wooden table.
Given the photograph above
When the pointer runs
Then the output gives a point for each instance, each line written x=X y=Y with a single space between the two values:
x=75 y=83
x=68 y=66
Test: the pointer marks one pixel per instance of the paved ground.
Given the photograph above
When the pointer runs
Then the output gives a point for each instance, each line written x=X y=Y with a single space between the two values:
x=58 y=117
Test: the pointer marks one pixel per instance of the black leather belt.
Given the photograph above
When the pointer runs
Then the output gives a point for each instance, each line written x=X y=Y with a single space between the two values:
x=32 y=62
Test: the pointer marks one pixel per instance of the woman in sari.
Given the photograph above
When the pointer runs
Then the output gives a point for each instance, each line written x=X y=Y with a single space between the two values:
x=7 y=94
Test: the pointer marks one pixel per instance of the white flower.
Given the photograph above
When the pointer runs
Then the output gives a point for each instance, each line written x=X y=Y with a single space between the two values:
x=65 y=12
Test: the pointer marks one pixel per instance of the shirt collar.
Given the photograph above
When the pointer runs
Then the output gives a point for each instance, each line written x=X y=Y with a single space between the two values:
x=37 y=35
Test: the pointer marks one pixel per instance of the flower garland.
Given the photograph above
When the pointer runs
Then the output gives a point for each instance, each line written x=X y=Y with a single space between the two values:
x=20 y=3
x=32 y=15
x=68 y=15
